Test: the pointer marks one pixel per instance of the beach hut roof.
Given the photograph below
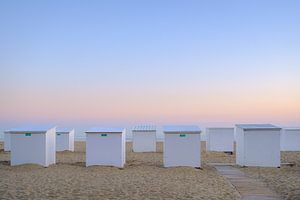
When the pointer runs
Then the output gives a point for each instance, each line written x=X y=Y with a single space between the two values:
x=181 y=129
x=34 y=129
x=220 y=128
x=63 y=130
x=144 y=128
x=292 y=128
x=258 y=127
x=105 y=130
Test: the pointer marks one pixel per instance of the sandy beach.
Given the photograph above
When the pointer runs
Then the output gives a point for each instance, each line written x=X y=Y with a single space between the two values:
x=143 y=177
x=285 y=181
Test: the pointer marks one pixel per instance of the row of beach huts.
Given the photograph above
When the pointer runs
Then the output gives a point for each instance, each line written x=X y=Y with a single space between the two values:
x=256 y=144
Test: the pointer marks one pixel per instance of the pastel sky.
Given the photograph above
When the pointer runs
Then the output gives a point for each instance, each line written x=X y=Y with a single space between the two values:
x=123 y=62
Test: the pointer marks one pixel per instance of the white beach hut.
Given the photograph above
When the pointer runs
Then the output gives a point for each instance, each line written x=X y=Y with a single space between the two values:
x=290 y=139
x=182 y=146
x=220 y=139
x=105 y=146
x=35 y=145
x=258 y=145
x=144 y=138
x=65 y=140
x=6 y=141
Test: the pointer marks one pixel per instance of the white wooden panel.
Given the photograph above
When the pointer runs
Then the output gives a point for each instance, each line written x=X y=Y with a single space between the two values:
x=144 y=141
x=182 y=150
x=290 y=140
x=220 y=139
x=6 y=141
x=33 y=148
x=105 y=149
x=262 y=148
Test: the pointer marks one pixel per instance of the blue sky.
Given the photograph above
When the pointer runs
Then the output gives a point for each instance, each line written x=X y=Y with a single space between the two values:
x=157 y=61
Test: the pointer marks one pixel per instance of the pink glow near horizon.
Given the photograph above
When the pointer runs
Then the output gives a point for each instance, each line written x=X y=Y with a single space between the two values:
x=160 y=107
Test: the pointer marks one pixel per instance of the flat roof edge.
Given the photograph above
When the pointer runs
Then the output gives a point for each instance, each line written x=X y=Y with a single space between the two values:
x=103 y=132
x=143 y=130
x=258 y=127
x=261 y=129
x=178 y=132
x=32 y=130
x=291 y=128
x=219 y=127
